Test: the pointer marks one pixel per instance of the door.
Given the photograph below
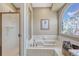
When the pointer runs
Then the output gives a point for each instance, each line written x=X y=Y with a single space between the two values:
x=10 y=31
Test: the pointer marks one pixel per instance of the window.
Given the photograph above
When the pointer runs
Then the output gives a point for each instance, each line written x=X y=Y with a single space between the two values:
x=70 y=22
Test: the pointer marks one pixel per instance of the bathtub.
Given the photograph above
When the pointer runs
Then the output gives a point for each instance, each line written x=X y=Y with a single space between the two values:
x=43 y=41
x=44 y=45
x=44 y=52
x=41 y=52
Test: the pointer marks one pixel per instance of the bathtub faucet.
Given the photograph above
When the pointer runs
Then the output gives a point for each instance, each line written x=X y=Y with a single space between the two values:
x=43 y=38
x=34 y=43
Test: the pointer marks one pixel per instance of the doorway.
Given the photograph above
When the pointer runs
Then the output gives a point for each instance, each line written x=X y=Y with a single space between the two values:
x=10 y=34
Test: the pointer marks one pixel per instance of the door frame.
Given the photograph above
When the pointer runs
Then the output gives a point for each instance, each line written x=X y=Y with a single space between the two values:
x=19 y=34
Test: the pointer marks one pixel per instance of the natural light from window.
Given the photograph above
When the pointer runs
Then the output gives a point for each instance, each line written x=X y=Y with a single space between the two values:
x=70 y=23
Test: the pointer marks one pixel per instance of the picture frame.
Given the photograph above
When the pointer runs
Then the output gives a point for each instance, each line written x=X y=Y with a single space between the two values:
x=44 y=24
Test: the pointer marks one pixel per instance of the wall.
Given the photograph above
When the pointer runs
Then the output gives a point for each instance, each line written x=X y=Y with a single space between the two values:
x=0 y=34
x=0 y=30
x=24 y=26
x=29 y=24
x=21 y=28
x=44 y=13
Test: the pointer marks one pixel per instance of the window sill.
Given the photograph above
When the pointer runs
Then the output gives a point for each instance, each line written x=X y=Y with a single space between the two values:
x=70 y=36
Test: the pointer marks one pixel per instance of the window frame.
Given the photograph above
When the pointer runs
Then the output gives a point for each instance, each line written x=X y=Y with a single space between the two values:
x=61 y=14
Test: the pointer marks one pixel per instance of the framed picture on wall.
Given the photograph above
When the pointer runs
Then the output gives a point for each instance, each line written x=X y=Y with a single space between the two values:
x=44 y=24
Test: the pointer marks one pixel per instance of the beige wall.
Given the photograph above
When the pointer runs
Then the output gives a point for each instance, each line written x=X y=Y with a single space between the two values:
x=0 y=30
x=44 y=13
x=0 y=34
x=22 y=29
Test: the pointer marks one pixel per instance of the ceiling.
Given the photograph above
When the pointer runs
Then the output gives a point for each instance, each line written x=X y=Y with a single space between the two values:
x=18 y=5
x=57 y=6
x=54 y=6
x=34 y=5
x=7 y=7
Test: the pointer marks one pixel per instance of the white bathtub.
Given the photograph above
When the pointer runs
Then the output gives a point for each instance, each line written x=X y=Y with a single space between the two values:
x=41 y=52
x=44 y=45
x=44 y=52
x=43 y=41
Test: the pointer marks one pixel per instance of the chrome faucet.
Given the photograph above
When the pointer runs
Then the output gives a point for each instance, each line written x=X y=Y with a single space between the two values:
x=43 y=38
x=34 y=43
